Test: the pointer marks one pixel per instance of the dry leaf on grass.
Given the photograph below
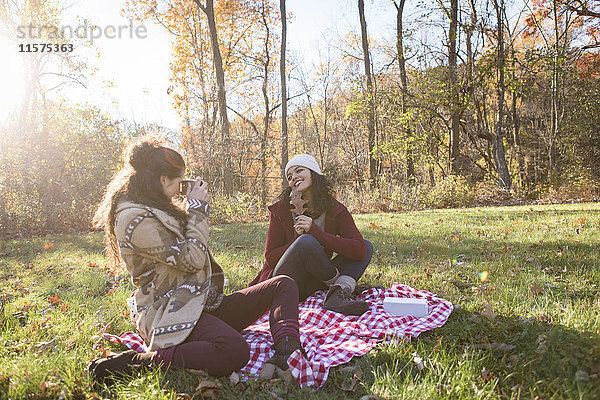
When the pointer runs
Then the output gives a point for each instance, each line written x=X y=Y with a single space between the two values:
x=419 y=361
x=582 y=376
x=43 y=346
x=542 y=342
x=234 y=378
x=535 y=290
x=440 y=339
x=351 y=387
x=487 y=312
x=208 y=389
x=485 y=375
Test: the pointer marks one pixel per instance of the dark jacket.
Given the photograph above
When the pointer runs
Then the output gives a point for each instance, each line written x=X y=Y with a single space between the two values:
x=340 y=236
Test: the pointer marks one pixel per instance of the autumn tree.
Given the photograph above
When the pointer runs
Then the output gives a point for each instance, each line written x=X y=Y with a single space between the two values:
x=453 y=82
x=410 y=167
x=283 y=80
x=368 y=93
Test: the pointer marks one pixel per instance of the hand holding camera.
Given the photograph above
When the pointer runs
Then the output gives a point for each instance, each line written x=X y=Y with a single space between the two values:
x=195 y=189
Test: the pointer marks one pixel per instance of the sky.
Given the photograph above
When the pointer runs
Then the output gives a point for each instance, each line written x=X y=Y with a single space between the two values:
x=131 y=75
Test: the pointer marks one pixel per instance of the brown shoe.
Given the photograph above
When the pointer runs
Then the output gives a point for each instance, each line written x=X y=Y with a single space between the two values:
x=118 y=365
x=277 y=365
x=338 y=300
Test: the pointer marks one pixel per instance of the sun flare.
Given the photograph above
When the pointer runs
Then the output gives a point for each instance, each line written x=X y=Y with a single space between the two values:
x=12 y=81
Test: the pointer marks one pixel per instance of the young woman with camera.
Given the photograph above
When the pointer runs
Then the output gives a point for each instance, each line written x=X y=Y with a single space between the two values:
x=183 y=315
x=301 y=241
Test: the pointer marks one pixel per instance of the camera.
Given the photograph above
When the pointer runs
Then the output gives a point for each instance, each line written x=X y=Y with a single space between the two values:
x=186 y=185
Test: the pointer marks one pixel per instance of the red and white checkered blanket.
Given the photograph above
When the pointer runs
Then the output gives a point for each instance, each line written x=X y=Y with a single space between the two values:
x=329 y=338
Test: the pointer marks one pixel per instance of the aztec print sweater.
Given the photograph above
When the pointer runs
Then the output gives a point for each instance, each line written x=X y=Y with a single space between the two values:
x=171 y=268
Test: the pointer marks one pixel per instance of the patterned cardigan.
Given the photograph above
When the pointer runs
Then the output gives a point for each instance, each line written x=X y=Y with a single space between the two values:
x=171 y=268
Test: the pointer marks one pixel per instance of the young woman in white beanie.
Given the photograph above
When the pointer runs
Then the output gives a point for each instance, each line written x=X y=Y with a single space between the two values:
x=301 y=246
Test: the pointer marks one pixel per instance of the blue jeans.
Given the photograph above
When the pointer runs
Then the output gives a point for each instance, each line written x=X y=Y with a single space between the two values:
x=306 y=262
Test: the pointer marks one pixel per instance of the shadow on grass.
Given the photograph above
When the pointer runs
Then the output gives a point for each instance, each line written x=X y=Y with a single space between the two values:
x=469 y=357
x=553 y=253
x=472 y=356
x=26 y=250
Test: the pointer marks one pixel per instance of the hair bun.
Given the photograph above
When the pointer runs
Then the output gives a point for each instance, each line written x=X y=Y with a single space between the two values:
x=140 y=153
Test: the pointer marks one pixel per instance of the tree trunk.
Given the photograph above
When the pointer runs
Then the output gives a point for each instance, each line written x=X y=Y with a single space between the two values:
x=267 y=117
x=369 y=94
x=555 y=76
x=498 y=143
x=410 y=165
x=208 y=9
x=455 y=112
x=284 y=127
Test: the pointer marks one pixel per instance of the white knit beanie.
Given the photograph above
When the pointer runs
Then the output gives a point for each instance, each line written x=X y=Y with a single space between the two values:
x=303 y=160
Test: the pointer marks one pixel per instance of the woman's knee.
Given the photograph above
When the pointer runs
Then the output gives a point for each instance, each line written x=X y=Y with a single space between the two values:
x=369 y=250
x=285 y=284
x=307 y=241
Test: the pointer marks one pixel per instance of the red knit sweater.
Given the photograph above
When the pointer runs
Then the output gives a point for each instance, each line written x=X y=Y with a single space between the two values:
x=340 y=236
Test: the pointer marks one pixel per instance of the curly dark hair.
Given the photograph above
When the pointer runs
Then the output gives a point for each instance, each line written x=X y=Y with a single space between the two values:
x=146 y=159
x=323 y=195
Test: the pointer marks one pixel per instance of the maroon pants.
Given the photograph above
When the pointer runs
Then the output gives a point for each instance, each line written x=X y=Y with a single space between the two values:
x=216 y=346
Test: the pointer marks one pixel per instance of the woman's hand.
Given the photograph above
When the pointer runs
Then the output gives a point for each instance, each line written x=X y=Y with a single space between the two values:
x=199 y=191
x=303 y=224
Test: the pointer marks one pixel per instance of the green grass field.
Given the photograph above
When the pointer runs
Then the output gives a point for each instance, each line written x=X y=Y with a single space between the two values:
x=531 y=330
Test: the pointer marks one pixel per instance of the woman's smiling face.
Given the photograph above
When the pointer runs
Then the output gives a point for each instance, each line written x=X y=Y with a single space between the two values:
x=299 y=177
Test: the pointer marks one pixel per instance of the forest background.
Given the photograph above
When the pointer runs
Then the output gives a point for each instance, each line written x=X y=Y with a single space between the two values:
x=473 y=102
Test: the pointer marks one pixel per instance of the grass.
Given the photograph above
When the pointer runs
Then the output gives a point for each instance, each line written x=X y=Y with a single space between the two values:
x=531 y=330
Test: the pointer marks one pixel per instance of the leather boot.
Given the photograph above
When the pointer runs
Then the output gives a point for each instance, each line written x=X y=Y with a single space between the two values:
x=118 y=365
x=277 y=365
x=338 y=300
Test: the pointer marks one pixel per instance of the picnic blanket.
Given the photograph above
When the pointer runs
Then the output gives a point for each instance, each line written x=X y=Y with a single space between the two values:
x=329 y=338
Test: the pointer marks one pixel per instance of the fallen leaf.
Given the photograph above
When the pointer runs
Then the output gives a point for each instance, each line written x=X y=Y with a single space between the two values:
x=595 y=369
x=535 y=289
x=351 y=387
x=419 y=361
x=210 y=394
x=234 y=378
x=374 y=225
x=105 y=352
x=488 y=313
x=485 y=375
x=582 y=376
x=542 y=342
x=439 y=343
x=208 y=389
x=48 y=246
x=43 y=346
